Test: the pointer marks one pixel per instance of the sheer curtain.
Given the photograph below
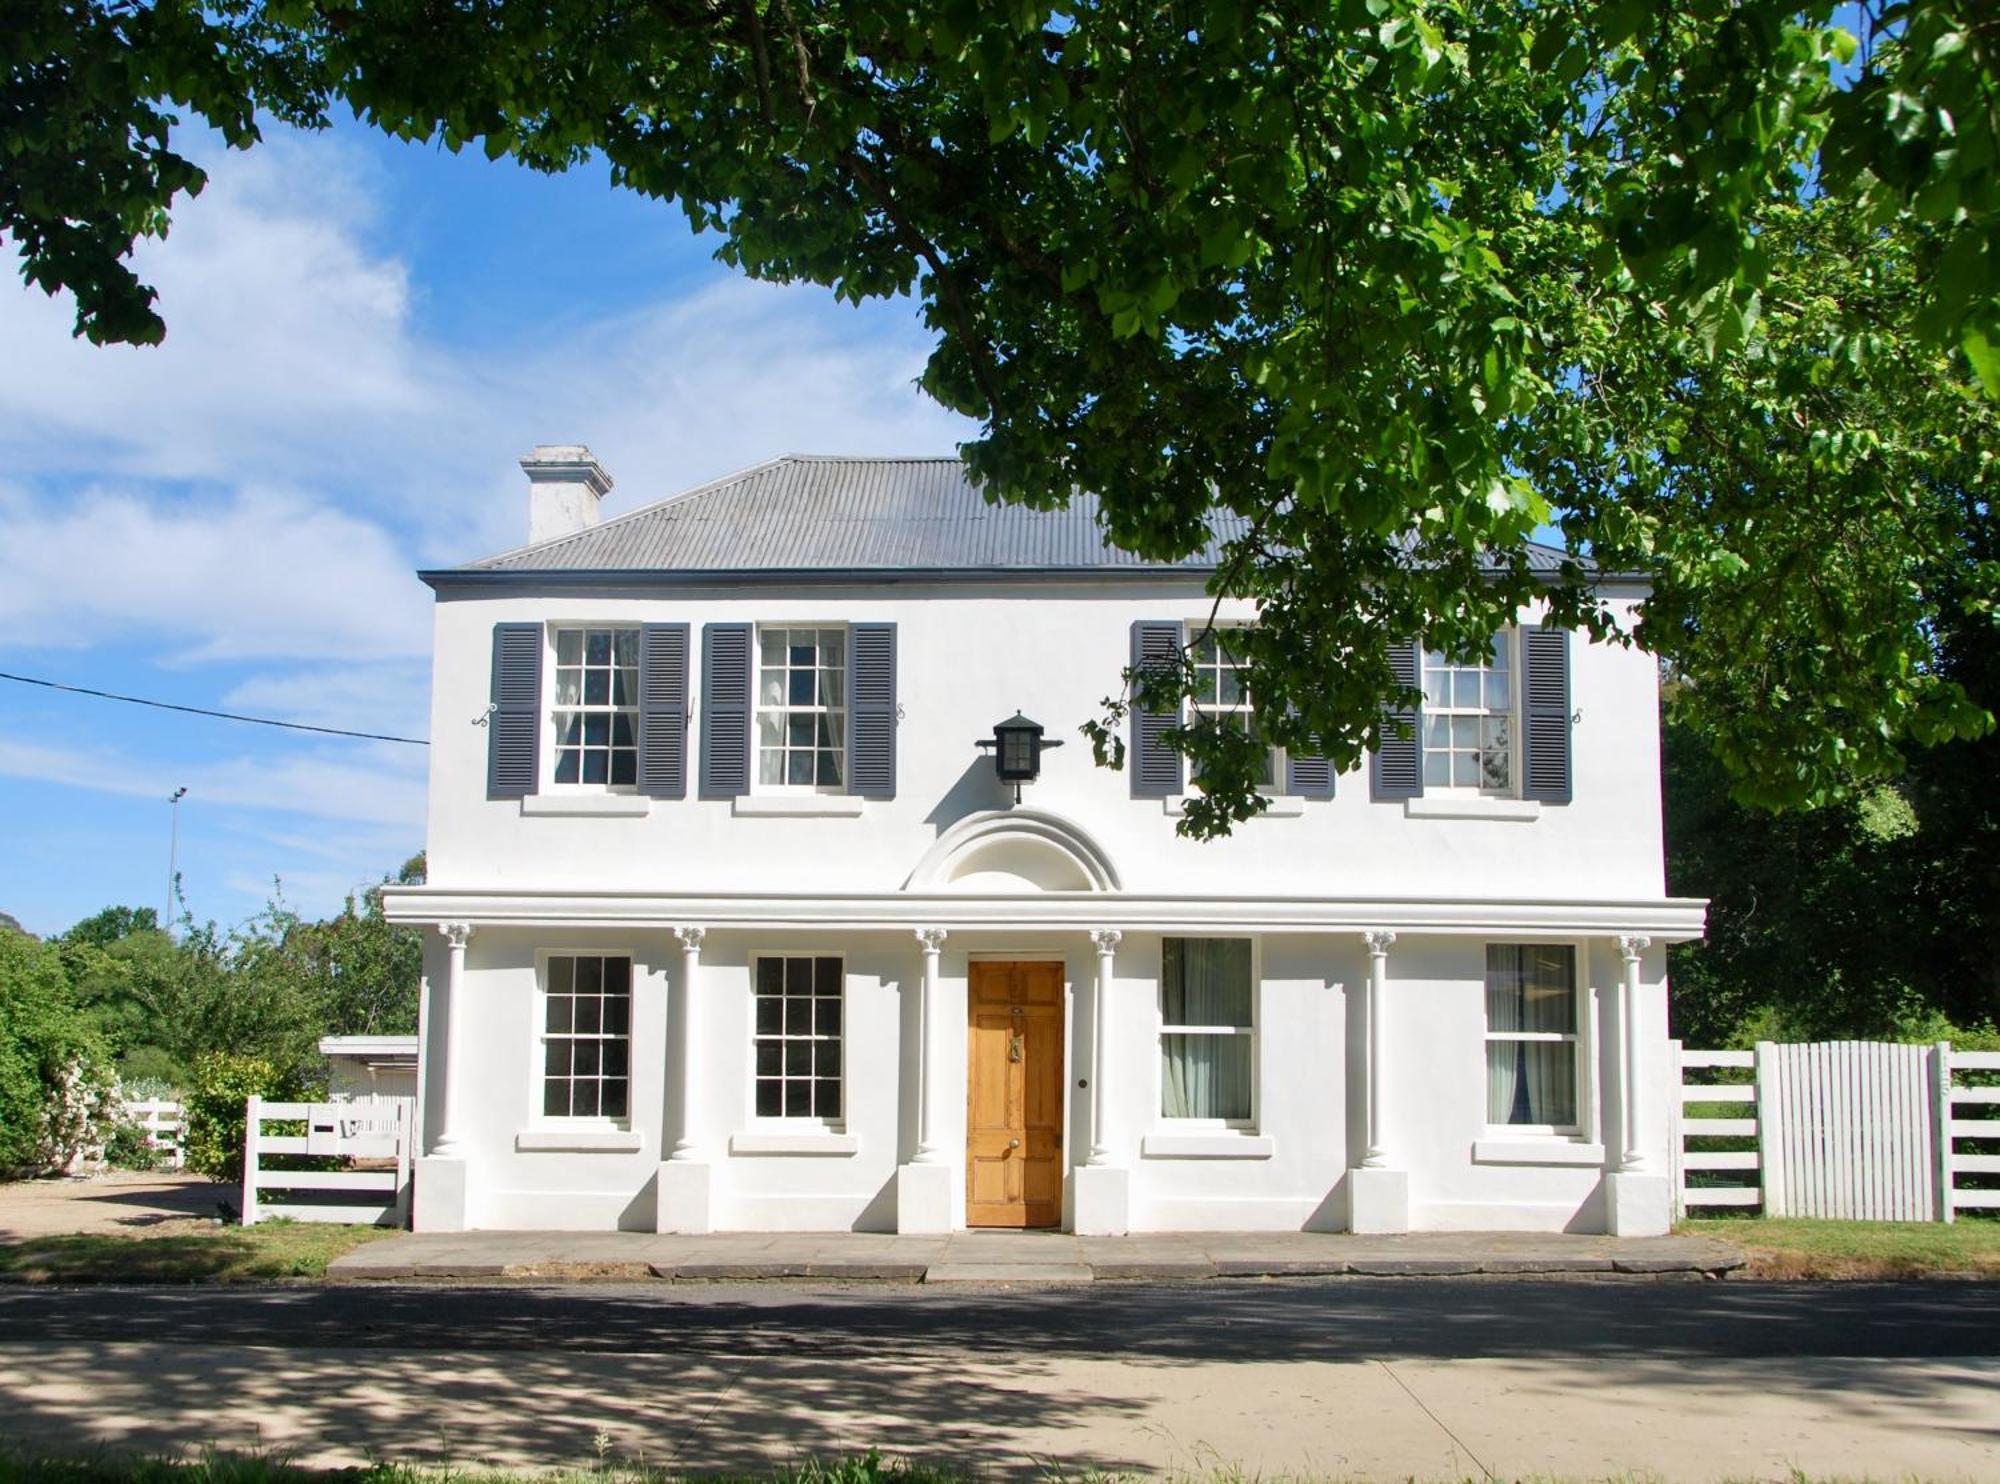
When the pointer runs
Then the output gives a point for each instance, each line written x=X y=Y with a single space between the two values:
x=1207 y=1071
x=1530 y=1002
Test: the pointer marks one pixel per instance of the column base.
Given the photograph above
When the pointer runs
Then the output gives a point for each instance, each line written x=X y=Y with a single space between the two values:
x=438 y=1198
x=1378 y=1201
x=684 y=1198
x=924 y=1199
x=1637 y=1205
x=1103 y=1201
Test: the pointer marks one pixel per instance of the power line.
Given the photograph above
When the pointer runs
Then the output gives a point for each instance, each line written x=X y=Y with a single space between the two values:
x=262 y=721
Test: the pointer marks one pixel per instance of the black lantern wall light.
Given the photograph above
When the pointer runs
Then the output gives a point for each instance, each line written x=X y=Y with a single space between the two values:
x=1017 y=745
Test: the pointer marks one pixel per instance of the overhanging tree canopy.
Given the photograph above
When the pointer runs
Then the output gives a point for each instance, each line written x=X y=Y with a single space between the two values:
x=1400 y=281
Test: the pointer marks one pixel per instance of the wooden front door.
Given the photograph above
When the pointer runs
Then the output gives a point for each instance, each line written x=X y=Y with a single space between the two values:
x=1014 y=1103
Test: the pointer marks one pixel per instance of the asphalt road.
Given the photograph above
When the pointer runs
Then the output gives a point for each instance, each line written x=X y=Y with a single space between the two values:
x=1342 y=1320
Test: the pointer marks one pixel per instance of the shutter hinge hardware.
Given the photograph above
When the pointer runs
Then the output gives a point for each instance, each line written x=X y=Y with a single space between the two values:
x=485 y=717
x=1576 y=717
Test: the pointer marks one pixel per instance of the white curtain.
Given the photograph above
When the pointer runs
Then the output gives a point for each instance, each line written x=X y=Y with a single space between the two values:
x=1530 y=988
x=1206 y=983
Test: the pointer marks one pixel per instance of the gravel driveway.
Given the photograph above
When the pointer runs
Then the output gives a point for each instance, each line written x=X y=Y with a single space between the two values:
x=119 y=1201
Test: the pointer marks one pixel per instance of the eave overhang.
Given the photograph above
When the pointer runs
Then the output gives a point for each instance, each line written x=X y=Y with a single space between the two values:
x=1669 y=920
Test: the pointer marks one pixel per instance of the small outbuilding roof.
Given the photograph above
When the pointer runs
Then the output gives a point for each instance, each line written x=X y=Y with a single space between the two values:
x=827 y=515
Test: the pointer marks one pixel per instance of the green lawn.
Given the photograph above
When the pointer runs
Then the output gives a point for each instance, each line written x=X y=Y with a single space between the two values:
x=228 y=1254
x=1857 y=1249
x=235 y=1468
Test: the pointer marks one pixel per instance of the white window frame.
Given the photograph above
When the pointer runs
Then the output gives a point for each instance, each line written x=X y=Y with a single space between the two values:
x=1583 y=1045
x=553 y=708
x=1163 y=1029
x=538 y=1043
x=1246 y=707
x=759 y=710
x=807 y=1123
x=1509 y=642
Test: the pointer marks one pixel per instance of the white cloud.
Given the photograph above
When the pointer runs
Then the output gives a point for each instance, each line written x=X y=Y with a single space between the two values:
x=391 y=697
x=380 y=786
x=262 y=573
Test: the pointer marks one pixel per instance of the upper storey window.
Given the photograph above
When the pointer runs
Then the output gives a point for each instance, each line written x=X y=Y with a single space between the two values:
x=802 y=709
x=1221 y=696
x=596 y=707
x=1468 y=722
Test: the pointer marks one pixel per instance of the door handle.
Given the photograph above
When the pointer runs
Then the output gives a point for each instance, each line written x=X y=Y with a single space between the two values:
x=1013 y=1143
x=1014 y=1047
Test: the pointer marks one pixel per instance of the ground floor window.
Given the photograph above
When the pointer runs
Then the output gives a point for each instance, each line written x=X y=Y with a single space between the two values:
x=1206 y=1030
x=798 y=1037
x=1531 y=1050
x=587 y=1036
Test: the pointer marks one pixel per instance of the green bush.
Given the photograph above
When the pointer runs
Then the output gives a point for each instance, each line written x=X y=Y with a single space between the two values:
x=222 y=1083
x=128 y=1148
x=54 y=1082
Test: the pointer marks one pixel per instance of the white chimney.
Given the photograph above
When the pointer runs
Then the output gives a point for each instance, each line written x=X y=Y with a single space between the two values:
x=565 y=484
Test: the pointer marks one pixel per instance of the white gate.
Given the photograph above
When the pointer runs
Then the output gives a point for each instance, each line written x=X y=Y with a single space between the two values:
x=1848 y=1135
x=376 y=1130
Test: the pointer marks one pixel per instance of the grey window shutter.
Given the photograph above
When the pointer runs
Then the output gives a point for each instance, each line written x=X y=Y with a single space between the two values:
x=1308 y=775
x=725 y=710
x=1397 y=770
x=514 y=726
x=1545 y=713
x=871 y=710
x=1156 y=767
x=663 y=699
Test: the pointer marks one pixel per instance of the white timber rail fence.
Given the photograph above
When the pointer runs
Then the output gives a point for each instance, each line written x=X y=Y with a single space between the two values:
x=1848 y=1130
x=374 y=1132
x=165 y=1124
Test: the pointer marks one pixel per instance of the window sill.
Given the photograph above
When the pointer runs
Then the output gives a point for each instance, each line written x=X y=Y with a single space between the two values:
x=805 y=1142
x=1550 y=1151
x=1282 y=806
x=623 y=806
x=1470 y=806
x=577 y=1141
x=834 y=806
x=1222 y=1144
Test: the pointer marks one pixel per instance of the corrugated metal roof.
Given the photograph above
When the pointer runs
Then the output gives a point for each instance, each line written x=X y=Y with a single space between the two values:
x=818 y=513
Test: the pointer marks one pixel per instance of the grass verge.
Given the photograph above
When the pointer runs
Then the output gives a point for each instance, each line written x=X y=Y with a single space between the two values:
x=227 y=1254
x=1856 y=1249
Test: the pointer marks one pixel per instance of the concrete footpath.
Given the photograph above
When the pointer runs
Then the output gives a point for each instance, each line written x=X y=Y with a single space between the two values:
x=1024 y=1257
x=1012 y=1414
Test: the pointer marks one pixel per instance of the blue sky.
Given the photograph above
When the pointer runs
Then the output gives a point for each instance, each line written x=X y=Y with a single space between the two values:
x=363 y=339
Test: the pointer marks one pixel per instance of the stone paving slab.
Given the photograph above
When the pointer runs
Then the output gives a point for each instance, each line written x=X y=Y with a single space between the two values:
x=1026 y=1257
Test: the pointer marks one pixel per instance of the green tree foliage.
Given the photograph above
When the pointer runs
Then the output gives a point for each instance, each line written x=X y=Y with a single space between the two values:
x=1342 y=279
x=213 y=1107
x=248 y=1003
x=52 y=1063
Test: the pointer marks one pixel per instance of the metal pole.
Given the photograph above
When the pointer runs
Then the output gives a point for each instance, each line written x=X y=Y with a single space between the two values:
x=173 y=858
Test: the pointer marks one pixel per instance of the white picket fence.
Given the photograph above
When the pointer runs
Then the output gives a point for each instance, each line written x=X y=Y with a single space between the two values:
x=1850 y=1130
x=373 y=1129
x=165 y=1124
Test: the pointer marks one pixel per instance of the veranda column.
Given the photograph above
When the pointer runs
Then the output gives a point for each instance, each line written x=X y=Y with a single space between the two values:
x=685 y=1193
x=925 y=1187
x=1106 y=943
x=440 y=1196
x=1637 y=1202
x=931 y=1052
x=1630 y=1094
x=1104 y=1185
x=1378 y=1195
x=456 y=936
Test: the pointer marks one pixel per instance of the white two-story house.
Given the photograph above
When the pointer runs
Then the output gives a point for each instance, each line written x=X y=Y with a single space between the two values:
x=735 y=925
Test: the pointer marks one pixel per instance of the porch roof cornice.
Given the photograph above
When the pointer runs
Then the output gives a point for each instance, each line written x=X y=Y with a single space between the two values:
x=1664 y=919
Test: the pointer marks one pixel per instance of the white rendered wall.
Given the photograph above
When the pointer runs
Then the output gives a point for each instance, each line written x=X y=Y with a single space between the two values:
x=969 y=657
